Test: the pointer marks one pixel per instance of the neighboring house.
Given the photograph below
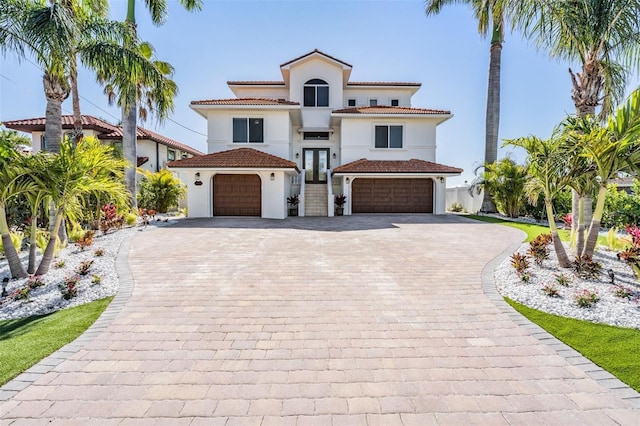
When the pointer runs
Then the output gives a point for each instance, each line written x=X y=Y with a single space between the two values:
x=154 y=150
x=316 y=134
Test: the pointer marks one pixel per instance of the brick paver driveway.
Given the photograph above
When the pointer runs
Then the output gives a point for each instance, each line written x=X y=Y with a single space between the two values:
x=365 y=320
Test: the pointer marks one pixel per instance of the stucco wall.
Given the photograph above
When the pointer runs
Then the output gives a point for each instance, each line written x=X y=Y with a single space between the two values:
x=418 y=139
x=277 y=126
x=384 y=96
x=261 y=92
x=305 y=71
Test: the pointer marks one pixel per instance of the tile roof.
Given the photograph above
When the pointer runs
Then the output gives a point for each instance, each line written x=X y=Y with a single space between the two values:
x=244 y=101
x=88 y=121
x=142 y=160
x=108 y=130
x=244 y=158
x=311 y=53
x=394 y=166
x=256 y=83
x=382 y=83
x=382 y=109
x=142 y=133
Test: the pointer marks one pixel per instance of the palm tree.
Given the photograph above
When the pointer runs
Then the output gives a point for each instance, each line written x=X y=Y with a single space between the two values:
x=491 y=17
x=612 y=148
x=88 y=168
x=140 y=92
x=603 y=36
x=505 y=180
x=547 y=169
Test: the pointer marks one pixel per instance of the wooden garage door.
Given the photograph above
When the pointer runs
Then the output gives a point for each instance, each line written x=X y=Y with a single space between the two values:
x=392 y=196
x=236 y=195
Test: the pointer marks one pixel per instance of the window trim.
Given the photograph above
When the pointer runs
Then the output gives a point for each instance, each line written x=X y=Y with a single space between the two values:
x=397 y=102
x=248 y=129
x=373 y=101
x=315 y=86
x=349 y=102
x=389 y=126
x=169 y=150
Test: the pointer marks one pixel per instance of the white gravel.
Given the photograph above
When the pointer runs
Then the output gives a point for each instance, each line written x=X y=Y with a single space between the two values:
x=48 y=298
x=608 y=310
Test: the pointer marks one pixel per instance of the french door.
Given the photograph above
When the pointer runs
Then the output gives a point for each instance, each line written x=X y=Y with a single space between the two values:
x=316 y=164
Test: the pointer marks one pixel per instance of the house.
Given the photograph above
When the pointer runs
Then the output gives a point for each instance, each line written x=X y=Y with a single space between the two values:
x=316 y=133
x=154 y=150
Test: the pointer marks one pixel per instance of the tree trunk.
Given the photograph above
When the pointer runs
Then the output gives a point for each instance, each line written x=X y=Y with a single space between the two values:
x=56 y=90
x=15 y=266
x=31 y=268
x=47 y=256
x=129 y=149
x=587 y=86
x=561 y=253
x=580 y=229
x=75 y=100
x=594 y=229
x=492 y=118
x=575 y=205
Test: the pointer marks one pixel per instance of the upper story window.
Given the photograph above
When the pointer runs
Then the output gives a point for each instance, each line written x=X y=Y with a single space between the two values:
x=316 y=136
x=43 y=143
x=171 y=155
x=248 y=130
x=351 y=102
x=316 y=93
x=373 y=102
x=395 y=102
x=388 y=137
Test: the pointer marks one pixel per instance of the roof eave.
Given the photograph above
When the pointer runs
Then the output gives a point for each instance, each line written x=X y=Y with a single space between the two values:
x=291 y=170
x=398 y=174
x=440 y=117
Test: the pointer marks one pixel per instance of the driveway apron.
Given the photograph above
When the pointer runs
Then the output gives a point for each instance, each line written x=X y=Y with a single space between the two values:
x=362 y=320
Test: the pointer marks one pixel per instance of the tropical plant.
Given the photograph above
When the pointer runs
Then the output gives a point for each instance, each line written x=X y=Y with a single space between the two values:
x=490 y=15
x=89 y=167
x=138 y=90
x=620 y=207
x=160 y=190
x=547 y=171
x=505 y=180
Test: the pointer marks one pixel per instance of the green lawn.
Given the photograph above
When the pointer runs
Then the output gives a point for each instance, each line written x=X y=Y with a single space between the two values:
x=25 y=341
x=532 y=230
x=615 y=349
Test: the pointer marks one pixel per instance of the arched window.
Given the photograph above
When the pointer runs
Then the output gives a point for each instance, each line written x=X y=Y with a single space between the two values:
x=316 y=93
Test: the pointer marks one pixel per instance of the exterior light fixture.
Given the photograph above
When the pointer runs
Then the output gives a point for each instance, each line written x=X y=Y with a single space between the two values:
x=297 y=155
x=334 y=156
x=347 y=180
x=198 y=182
x=5 y=282
x=441 y=179
x=273 y=176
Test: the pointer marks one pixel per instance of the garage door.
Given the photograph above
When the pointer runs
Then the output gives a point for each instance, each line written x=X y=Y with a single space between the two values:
x=392 y=196
x=236 y=195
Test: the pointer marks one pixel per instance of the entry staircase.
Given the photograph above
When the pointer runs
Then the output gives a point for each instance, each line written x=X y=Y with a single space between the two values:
x=315 y=200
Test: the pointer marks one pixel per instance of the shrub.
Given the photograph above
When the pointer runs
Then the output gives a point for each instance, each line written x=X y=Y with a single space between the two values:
x=621 y=208
x=75 y=232
x=35 y=281
x=550 y=290
x=84 y=267
x=99 y=252
x=585 y=267
x=293 y=200
x=456 y=207
x=539 y=248
x=562 y=279
x=339 y=200
x=69 y=287
x=160 y=191
x=59 y=264
x=131 y=219
x=586 y=298
x=96 y=279
x=85 y=241
x=622 y=292
x=505 y=181
x=21 y=293
x=520 y=262
x=16 y=239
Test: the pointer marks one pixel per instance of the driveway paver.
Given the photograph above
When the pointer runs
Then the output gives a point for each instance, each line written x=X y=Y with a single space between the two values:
x=361 y=320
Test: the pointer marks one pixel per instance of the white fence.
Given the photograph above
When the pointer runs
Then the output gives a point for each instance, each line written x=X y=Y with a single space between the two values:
x=460 y=195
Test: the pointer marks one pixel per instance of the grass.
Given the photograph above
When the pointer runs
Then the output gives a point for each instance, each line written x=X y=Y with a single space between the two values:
x=615 y=349
x=532 y=230
x=25 y=341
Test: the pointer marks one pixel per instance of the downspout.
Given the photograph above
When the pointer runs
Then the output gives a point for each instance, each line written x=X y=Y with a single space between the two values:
x=157 y=157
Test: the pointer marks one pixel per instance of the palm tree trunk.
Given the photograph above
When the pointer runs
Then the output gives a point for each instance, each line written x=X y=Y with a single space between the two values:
x=492 y=118
x=561 y=253
x=31 y=268
x=575 y=206
x=75 y=100
x=129 y=149
x=15 y=266
x=56 y=90
x=47 y=256
x=580 y=229
x=594 y=229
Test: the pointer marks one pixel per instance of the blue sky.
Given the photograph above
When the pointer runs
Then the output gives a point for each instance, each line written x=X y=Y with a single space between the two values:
x=383 y=40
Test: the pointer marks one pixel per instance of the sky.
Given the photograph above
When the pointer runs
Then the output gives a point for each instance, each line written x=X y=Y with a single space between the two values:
x=383 y=40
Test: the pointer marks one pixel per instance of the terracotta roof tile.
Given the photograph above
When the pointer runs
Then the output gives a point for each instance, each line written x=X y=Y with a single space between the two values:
x=393 y=166
x=244 y=101
x=382 y=109
x=311 y=53
x=246 y=158
x=35 y=124
x=142 y=160
x=256 y=83
x=142 y=133
x=382 y=83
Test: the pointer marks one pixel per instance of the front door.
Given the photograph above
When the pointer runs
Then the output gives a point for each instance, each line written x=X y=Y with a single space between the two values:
x=316 y=163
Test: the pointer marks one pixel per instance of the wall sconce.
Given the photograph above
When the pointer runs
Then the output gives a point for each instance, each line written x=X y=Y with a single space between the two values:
x=441 y=179
x=297 y=155
x=198 y=182
x=334 y=156
x=347 y=180
x=272 y=176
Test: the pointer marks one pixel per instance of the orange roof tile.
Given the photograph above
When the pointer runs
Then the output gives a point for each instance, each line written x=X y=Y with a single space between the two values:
x=311 y=53
x=382 y=109
x=37 y=124
x=142 y=133
x=242 y=158
x=244 y=101
x=394 y=166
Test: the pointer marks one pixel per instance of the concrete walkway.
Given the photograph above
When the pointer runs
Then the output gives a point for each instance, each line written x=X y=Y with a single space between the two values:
x=366 y=320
